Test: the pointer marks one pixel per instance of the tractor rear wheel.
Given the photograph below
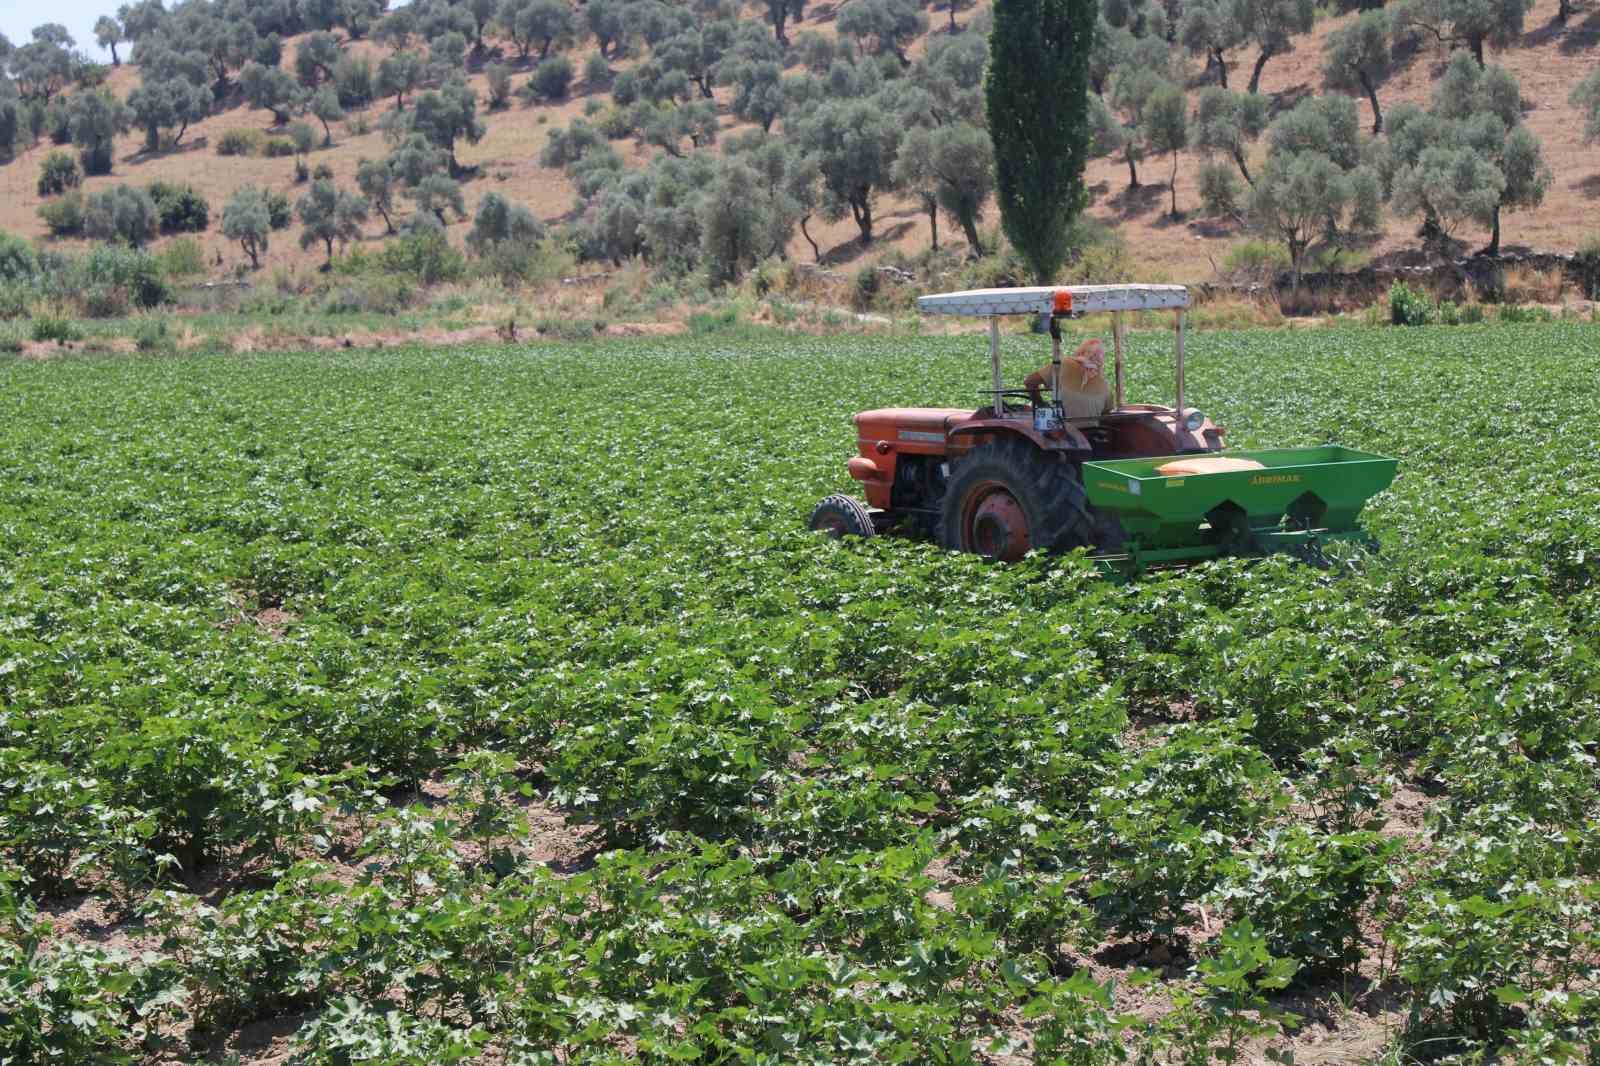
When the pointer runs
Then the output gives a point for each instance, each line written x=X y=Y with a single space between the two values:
x=1008 y=497
x=840 y=516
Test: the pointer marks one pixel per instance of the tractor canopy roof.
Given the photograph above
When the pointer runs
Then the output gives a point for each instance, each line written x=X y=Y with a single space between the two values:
x=1055 y=300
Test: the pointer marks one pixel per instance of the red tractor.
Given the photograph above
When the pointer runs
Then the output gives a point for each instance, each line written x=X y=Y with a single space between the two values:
x=1008 y=476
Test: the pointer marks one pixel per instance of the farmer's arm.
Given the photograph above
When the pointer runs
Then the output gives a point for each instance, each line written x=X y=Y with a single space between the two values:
x=1036 y=383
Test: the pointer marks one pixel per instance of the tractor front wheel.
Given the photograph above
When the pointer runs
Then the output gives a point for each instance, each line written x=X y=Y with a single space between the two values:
x=1008 y=497
x=840 y=516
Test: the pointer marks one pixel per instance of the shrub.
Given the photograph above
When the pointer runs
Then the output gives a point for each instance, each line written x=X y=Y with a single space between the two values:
x=121 y=213
x=179 y=208
x=1586 y=262
x=182 y=258
x=240 y=142
x=280 y=213
x=60 y=329
x=302 y=137
x=426 y=256
x=64 y=217
x=56 y=123
x=569 y=329
x=278 y=148
x=551 y=79
x=132 y=269
x=353 y=81
x=58 y=174
x=1408 y=306
x=379 y=296
x=713 y=321
x=1517 y=313
x=1257 y=262
x=104 y=301
x=499 y=85
x=1220 y=191
x=1104 y=263
x=596 y=71
x=500 y=221
x=17 y=259
x=864 y=288
x=149 y=333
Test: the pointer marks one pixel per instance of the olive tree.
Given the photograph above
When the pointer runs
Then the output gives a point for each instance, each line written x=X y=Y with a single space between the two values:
x=732 y=223
x=1166 y=121
x=606 y=21
x=666 y=125
x=536 y=23
x=170 y=104
x=1211 y=28
x=329 y=214
x=854 y=144
x=1448 y=184
x=758 y=94
x=108 y=34
x=1036 y=95
x=316 y=59
x=272 y=89
x=95 y=119
x=44 y=67
x=399 y=74
x=951 y=169
x=1314 y=185
x=499 y=221
x=1469 y=158
x=1357 y=58
x=1229 y=122
x=438 y=195
x=1130 y=96
x=1469 y=23
x=891 y=25
x=379 y=184
x=1272 y=26
x=447 y=116
x=325 y=106
x=779 y=12
x=246 y=219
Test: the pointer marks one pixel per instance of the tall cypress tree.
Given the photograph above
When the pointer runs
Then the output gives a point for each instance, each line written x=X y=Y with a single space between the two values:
x=1037 y=95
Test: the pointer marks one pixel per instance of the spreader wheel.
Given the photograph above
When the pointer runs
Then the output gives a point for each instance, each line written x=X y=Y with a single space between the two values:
x=840 y=516
x=1008 y=497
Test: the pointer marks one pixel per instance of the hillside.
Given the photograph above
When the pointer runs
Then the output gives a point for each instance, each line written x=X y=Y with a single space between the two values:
x=1548 y=61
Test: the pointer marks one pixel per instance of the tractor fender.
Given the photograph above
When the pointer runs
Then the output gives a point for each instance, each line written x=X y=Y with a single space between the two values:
x=1066 y=439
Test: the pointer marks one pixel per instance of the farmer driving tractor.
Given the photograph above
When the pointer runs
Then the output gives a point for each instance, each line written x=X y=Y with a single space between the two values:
x=1084 y=392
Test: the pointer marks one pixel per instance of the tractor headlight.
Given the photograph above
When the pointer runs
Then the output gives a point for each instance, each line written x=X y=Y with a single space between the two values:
x=1194 y=420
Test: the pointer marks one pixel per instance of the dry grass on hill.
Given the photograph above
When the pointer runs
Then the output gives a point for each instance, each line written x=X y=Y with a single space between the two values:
x=1548 y=62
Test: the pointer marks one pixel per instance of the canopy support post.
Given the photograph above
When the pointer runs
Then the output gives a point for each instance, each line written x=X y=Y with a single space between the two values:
x=1179 y=428
x=1116 y=344
x=1055 y=362
x=994 y=365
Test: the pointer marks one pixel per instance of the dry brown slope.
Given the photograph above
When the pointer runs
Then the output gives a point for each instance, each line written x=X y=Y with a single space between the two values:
x=1549 y=61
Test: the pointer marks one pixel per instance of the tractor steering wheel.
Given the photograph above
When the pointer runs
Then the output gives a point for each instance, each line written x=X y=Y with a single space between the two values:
x=1007 y=394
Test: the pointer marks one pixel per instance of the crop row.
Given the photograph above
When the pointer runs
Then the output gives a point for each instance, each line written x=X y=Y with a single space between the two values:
x=301 y=657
